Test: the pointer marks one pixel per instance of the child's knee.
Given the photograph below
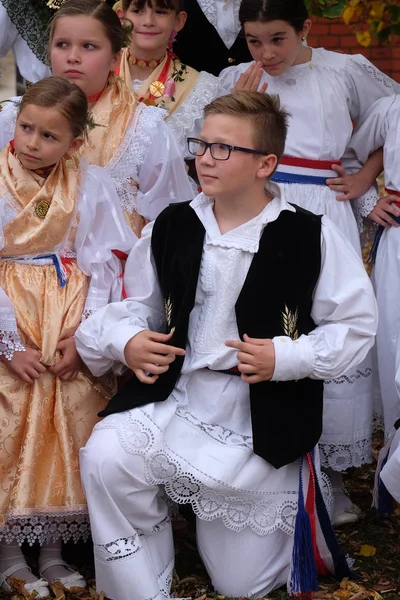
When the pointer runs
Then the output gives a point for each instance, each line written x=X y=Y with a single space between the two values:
x=99 y=462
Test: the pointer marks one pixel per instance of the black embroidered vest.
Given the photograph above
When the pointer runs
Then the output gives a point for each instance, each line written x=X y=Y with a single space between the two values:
x=200 y=46
x=276 y=300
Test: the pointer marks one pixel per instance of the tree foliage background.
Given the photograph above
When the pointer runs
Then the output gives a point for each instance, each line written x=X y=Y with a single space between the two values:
x=370 y=19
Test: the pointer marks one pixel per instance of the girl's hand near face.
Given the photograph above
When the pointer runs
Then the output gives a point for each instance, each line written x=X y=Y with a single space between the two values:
x=250 y=80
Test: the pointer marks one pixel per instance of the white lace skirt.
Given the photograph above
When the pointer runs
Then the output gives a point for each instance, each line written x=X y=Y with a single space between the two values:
x=348 y=400
x=198 y=444
x=386 y=281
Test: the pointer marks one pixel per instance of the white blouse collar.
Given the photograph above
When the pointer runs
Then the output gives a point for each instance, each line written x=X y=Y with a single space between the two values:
x=247 y=236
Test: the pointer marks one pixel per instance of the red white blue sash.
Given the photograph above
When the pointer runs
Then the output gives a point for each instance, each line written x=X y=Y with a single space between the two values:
x=292 y=169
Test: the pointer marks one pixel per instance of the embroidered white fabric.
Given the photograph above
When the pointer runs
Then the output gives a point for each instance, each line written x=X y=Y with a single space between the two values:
x=187 y=120
x=10 y=342
x=46 y=527
x=92 y=304
x=118 y=549
x=341 y=457
x=263 y=512
x=8 y=118
x=124 y=167
x=363 y=206
x=224 y=17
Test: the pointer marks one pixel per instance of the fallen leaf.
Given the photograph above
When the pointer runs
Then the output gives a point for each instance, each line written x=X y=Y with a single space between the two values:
x=367 y=551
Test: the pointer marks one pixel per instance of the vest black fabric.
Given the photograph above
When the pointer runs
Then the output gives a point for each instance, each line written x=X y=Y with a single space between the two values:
x=276 y=300
x=200 y=46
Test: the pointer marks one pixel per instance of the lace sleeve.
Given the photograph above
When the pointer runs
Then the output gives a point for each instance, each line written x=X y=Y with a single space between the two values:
x=187 y=120
x=366 y=85
x=8 y=119
x=162 y=176
x=10 y=340
x=101 y=229
x=364 y=205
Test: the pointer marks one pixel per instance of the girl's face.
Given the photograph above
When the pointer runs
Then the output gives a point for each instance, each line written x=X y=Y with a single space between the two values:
x=42 y=137
x=81 y=52
x=277 y=45
x=152 y=29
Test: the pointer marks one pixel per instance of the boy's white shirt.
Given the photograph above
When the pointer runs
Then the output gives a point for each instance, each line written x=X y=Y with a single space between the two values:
x=344 y=307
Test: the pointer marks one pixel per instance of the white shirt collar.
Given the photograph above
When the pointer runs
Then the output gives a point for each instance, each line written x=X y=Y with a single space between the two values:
x=247 y=236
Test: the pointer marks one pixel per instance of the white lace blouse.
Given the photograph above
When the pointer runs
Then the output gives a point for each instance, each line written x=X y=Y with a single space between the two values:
x=323 y=96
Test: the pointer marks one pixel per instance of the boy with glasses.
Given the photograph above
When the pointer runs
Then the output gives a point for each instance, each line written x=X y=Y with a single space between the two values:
x=241 y=306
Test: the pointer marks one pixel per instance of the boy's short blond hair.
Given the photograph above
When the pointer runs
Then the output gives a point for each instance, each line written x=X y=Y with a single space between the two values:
x=268 y=120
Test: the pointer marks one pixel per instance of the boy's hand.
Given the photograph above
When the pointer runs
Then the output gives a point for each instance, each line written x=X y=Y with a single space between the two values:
x=250 y=80
x=380 y=213
x=256 y=358
x=351 y=186
x=25 y=365
x=148 y=352
x=69 y=366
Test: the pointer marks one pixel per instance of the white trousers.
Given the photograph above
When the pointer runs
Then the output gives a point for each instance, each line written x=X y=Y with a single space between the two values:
x=132 y=535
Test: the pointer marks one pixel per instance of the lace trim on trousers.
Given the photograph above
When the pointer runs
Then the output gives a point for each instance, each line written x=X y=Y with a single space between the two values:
x=263 y=515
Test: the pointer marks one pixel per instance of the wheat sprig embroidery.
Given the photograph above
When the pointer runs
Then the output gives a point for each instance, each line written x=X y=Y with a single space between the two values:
x=289 y=322
x=168 y=307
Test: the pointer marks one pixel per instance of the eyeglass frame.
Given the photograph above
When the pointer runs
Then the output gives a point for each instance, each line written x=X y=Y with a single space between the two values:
x=209 y=145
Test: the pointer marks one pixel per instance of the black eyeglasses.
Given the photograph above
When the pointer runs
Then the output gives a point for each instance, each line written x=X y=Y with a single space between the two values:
x=218 y=150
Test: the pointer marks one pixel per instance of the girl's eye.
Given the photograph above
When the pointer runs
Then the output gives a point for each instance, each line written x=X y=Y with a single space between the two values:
x=48 y=136
x=89 y=47
x=61 y=44
x=278 y=40
x=135 y=11
x=161 y=12
x=254 y=42
x=24 y=127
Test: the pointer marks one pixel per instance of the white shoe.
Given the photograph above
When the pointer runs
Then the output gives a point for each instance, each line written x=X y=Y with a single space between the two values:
x=75 y=579
x=39 y=586
x=344 y=511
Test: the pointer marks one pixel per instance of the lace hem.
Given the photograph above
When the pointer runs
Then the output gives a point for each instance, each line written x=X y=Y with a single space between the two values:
x=46 y=528
x=262 y=514
x=341 y=457
x=92 y=304
x=350 y=379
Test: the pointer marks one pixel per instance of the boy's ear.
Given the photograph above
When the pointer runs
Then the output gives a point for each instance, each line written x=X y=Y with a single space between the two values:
x=267 y=166
x=180 y=21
